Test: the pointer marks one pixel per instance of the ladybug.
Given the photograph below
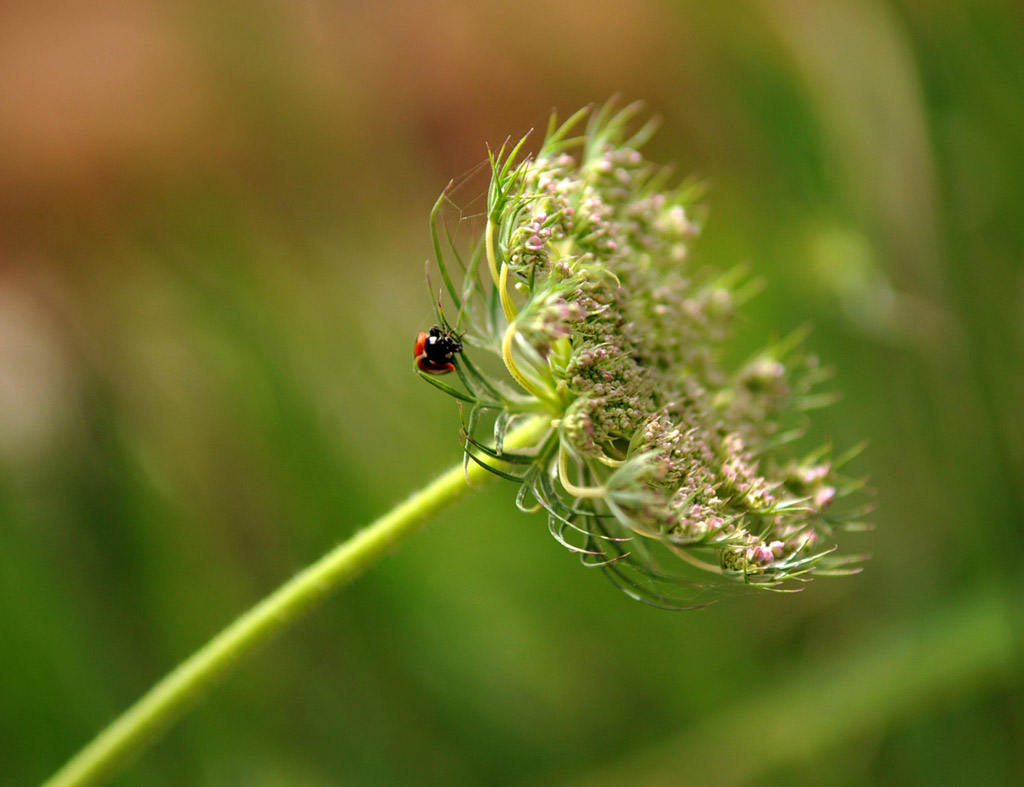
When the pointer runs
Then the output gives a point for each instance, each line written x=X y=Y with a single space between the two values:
x=434 y=351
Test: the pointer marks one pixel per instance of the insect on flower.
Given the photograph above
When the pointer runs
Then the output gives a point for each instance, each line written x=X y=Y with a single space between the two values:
x=663 y=464
x=434 y=351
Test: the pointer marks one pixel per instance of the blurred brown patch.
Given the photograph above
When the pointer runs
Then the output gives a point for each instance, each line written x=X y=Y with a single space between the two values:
x=88 y=91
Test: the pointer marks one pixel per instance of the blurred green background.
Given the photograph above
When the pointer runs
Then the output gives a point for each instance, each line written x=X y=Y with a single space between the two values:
x=213 y=222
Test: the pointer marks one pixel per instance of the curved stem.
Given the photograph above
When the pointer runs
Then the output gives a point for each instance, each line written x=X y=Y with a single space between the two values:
x=492 y=261
x=500 y=278
x=571 y=488
x=138 y=726
x=695 y=561
x=517 y=374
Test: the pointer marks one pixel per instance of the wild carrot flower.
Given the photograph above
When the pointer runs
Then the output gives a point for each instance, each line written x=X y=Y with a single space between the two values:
x=660 y=465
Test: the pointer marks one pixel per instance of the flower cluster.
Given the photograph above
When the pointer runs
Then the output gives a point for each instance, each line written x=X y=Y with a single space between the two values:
x=660 y=465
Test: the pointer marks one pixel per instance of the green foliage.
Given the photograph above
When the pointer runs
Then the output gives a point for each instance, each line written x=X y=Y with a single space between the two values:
x=207 y=302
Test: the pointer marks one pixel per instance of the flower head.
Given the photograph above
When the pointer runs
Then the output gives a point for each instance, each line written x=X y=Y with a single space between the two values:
x=661 y=465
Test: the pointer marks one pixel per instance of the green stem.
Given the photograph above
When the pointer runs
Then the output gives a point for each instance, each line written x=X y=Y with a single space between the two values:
x=156 y=710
